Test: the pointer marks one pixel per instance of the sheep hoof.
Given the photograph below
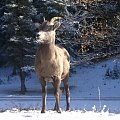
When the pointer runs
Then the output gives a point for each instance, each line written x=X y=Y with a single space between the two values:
x=68 y=109
x=59 y=111
x=42 y=111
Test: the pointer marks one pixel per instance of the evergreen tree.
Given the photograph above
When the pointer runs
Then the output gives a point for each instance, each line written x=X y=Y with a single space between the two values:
x=4 y=30
x=21 y=42
x=49 y=8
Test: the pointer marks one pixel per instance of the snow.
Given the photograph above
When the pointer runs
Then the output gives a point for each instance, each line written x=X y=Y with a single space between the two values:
x=50 y=115
x=93 y=96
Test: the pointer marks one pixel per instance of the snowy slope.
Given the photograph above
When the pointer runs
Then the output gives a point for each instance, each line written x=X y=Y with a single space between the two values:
x=92 y=95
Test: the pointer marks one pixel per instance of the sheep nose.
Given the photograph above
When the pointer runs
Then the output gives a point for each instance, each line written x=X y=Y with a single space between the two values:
x=37 y=35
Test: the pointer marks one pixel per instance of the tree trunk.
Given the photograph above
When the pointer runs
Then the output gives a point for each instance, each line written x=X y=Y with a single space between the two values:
x=119 y=3
x=14 y=70
x=22 y=79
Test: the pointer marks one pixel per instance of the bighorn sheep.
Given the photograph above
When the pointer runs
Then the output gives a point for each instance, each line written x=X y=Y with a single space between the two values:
x=52 y=63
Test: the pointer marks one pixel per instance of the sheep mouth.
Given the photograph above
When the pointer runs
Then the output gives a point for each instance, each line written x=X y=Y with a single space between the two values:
x=41 y=41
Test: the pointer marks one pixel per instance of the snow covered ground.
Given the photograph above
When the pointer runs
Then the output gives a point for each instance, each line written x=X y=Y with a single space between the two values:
x=93 y=96
x=50 y=115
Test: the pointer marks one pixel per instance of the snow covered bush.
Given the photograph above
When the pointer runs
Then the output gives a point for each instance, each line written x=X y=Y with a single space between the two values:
x=113 y=73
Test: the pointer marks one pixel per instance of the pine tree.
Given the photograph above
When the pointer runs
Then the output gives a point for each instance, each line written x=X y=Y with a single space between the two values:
x=21 y=42
x=3 y=32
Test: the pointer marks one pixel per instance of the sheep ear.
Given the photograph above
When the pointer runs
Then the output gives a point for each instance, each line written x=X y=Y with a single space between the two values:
x=56 y=25
x=44 y=19
x=43 y=24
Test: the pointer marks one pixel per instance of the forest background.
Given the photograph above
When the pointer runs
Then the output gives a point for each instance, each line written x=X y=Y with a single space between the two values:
x=90 y=31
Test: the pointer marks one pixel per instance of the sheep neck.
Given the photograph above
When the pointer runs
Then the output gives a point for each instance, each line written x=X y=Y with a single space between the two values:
x=47 y=51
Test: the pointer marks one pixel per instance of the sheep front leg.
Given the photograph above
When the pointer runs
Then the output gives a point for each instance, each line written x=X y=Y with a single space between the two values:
x=44 y=95
x=59 y=98
x=57 y=83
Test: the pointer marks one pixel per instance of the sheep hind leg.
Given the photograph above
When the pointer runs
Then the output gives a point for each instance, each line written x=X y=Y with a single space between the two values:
x=66 y=86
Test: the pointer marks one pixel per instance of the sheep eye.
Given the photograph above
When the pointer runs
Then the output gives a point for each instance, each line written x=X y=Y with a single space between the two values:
x=49 y=28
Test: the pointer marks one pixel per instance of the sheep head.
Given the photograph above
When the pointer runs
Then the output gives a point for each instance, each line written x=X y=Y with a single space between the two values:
x=47 y=30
